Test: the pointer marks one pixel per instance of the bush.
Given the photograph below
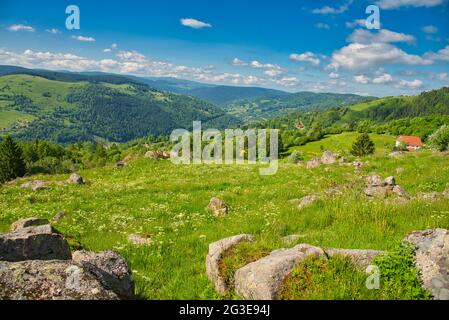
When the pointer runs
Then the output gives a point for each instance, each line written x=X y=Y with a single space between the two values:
x=363 y=146
x=398 y=275
x=295 y=157
x=440 y=139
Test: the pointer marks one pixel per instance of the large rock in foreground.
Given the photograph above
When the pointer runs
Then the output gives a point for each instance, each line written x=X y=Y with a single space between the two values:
x=358 y=257
x=49 y=280
x=215 y=256
x=33 y=243
x=432 y=260
x=110 y=268
x=29 y=222
x=263 y=279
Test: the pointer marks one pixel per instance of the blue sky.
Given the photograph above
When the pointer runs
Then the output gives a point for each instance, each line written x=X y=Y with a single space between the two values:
x=318 y=45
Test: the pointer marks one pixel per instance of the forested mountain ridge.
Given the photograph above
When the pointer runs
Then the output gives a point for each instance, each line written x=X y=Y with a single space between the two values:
x=34 y=107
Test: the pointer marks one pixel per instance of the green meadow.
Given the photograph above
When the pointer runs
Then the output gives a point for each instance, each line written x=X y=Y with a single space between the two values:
x=167 y=202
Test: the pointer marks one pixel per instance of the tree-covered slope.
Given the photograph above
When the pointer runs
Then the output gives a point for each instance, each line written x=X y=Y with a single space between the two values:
x=266 y=107
x=65 y=111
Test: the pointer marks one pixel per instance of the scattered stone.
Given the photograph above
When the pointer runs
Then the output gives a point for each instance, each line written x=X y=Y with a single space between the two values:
x=151 y=155
x=401 y=192
x=429 y=196
x=35 y=185
x=75 y=179
x=308 y=200
x=432 y=260
x=29 y=222
x=33 y=243
x=360 y=258
x=58 y=217
x=262 y=279
x=218 y=207
x=328 y=157
x=313 y=163
x=213 y=259
x=139 y=240
x=49 y=280
x=376 y=192
x=390 y=182
x=110 y=269
x=374 y=181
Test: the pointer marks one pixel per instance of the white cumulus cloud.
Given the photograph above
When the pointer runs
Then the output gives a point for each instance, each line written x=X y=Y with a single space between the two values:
x=84 y=39
x=21 y=27
x=194 y=23
x=395 y=4
x=305 y=57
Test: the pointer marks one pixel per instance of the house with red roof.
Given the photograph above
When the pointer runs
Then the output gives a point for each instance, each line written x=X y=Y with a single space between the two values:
x=412 y=143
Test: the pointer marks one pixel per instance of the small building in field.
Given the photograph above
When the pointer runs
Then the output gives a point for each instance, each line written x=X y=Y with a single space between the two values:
x=411 y=143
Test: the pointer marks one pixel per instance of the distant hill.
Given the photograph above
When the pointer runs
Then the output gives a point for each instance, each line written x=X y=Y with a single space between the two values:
x=271 y=107
x=88 y=107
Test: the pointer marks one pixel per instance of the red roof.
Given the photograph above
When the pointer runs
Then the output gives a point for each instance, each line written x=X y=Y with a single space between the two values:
x=411 y=141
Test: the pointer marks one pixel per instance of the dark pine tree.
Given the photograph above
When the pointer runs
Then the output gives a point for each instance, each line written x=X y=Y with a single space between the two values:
x=12 y=164
x=363 y=146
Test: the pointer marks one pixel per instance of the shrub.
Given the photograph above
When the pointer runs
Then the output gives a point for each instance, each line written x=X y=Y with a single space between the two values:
x=440 y=139
x=295 y=157
x=363 y=146
x=398 y=275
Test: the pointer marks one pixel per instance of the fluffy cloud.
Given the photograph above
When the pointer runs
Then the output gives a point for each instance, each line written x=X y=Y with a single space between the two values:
x=394 y=4
x=272 y=70
x=133 y=62
x=358 y=56
x=383 y=78
x=334 y=75
x=356 y=23
x=442 y=55
x=111 y=48
x=305 y=57
x=84 y=39
x=404 y=84
x=331 y=10
x=361 y=79
x=21 y=27
x=384 y=35
x=53 y=31
x=430 y=29
x=195 y=24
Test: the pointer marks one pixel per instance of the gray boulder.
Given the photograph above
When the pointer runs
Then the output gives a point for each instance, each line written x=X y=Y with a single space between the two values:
x=29 y=222
x=328 y=157
x=399 y=191
x=308 y=200
x=75 y=179
x=218 y=207
x=432 y=260
x=374 y=181
x=375 y=192
x=35 y=185
x=213 y=259
x=263 y=279
x=313 y=163
x=110 y=269
x=33 y=243
x=358 y=257
x=49 y=280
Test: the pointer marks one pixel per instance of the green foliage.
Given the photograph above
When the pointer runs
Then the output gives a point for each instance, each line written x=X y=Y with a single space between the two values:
x=363 y=146
x=399 y=276
x=296 y=156
x=440 y=139
x=12 y=164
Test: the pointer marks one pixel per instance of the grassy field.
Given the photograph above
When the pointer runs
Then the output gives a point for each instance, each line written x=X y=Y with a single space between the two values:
x=341 y=143
x=167 y=202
